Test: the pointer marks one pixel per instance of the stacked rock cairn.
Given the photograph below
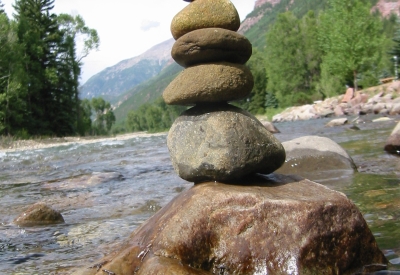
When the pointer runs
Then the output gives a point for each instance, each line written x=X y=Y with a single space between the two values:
x=214 y=140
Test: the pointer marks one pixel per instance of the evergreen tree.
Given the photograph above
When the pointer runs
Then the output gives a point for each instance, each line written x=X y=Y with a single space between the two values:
x=1 y=7
x=12 y=106
x=39 y=36
x=350 y=37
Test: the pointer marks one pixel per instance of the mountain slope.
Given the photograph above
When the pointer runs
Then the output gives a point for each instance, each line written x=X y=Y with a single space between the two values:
x=254 y=27
x=113 y=81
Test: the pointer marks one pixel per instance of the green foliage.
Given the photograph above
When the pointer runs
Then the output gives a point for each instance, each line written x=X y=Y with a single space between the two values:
x=39 y=70
x=104 y=116
x=293 y=58
x=155 y=117
x=350 y=37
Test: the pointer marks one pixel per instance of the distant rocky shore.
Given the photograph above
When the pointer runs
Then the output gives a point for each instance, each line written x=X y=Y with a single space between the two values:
x=383 y=99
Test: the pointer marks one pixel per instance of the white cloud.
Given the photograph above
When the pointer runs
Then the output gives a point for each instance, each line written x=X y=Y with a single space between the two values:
x=126 y=28
x=148 y=24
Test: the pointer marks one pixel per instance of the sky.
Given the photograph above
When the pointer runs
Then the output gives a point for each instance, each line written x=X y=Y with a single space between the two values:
x=127 y=28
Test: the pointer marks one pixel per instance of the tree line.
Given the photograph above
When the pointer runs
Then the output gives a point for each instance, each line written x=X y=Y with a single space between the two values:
x=317 y=55
x=40 y=68
x=308 y=58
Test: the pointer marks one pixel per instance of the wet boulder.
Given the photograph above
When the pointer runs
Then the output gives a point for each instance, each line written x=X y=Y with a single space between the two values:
x=310 y=155
x=393 y=143
x=39 y=214
x=221 y=142
x=265 y=225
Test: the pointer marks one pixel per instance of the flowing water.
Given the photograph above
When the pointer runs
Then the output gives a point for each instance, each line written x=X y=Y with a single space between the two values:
x=106 y=189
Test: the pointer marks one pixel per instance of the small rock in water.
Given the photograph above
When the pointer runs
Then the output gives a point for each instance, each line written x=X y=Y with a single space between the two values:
x=393 y=143
x=337 y=122
x=39 y=214
x=222 y=143
x=201 y=14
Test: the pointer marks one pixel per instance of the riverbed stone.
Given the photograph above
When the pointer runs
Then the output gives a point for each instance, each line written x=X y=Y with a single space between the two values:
x=309 y=156
x=39 y=214
x=266 y=225
x=221 y=142
x=211 y=45
x=337 y=122
x=201 y=14
x=393 y=143
x=215 y=82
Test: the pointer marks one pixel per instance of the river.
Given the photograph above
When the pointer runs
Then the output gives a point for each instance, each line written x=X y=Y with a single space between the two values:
x=106 y=189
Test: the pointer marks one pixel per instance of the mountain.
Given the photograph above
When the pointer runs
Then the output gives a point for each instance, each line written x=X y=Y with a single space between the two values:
x=254 y=27
x=115 y=80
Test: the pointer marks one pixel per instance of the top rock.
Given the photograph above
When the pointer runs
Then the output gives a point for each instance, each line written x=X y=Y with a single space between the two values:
x=202 y=14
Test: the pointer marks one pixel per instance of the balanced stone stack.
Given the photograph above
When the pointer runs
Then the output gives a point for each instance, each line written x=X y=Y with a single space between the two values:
x=215 y=140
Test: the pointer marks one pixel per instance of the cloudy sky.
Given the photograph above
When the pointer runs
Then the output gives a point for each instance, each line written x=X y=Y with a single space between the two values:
x=126 y=28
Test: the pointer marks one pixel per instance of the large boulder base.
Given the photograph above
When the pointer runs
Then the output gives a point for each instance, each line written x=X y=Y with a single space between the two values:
x=393 y=143
x=211 y=45
x=39 y=214
x=201 y=14
x=266 y=225
x=212 y=82
x=307 y=156
x=221 y=142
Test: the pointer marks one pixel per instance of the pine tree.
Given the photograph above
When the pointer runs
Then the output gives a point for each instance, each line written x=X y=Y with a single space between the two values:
x=1 y=7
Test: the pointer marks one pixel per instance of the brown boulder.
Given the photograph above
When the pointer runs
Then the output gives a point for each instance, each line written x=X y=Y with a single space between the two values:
x=269 y=225
x=201 y=14
x=210 y=83
x=393 y=143
x=211 y=45
x=39 y=214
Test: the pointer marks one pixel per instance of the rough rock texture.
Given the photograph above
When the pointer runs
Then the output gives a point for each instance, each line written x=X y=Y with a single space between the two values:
x=209 y=83
x=201 y=14
x=309 y=154
x=39 y=214
x=393 y=143
x=211 y=45
x=221 y=142
x=270 y=225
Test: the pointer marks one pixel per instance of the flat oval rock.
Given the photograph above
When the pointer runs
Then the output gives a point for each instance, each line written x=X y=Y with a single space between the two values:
x=211 y=45
x=202 y=14
x=210 y=83
x=222 y=142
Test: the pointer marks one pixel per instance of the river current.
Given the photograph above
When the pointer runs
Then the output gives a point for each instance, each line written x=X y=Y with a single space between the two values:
x=106 y=189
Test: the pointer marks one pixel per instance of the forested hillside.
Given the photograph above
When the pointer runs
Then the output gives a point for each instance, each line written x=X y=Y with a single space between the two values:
x=39 y=71
x=303 y=51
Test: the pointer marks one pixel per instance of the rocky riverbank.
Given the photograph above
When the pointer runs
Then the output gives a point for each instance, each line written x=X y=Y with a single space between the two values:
x=383 y=99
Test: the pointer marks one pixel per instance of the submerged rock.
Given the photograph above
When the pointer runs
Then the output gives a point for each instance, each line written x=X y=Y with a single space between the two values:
x=39 y=214
x=222 y=142
x=393 y=143
x=201 y=14
x=269 y=225
x=308 y=155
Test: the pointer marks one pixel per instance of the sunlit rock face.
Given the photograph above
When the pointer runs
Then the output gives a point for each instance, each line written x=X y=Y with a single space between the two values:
x=261 y=225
